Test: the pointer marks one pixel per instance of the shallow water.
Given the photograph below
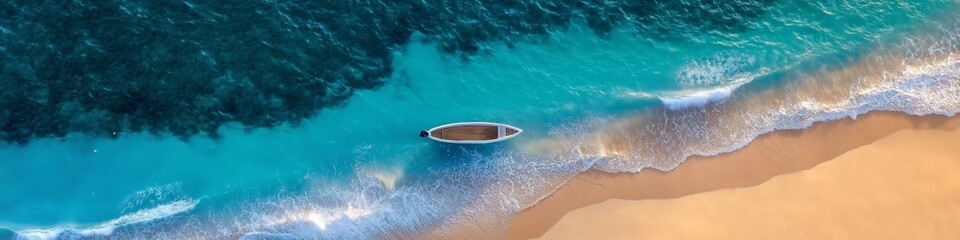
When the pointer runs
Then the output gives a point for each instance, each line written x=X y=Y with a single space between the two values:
x=621 y=99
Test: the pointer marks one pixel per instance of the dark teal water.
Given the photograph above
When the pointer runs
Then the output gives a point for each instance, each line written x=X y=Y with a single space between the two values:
x=299 y=120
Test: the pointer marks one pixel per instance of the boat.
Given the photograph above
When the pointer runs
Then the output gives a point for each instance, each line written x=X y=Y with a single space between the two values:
x=472 y=132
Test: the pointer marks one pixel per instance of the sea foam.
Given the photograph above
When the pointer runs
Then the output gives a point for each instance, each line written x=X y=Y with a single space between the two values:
x=691 y=98
x=107 y=228
x=705 y=80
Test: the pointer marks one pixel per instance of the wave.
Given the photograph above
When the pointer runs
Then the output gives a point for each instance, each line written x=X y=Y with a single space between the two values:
x=706 y=80
x=695 y=98
x=107 y=228
x=676 y=100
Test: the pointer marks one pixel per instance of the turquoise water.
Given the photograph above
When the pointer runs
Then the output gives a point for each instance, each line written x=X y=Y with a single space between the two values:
x=358 y=169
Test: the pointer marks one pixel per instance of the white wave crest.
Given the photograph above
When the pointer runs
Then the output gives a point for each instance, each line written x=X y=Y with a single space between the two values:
x=676 y=100
x=705 y=80
x=693 y=98
x=107 y=228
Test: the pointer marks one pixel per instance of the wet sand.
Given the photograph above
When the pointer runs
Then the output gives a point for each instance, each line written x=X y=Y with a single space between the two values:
x=776 y=187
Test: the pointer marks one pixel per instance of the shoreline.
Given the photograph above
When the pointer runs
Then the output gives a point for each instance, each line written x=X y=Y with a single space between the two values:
x=769 y=155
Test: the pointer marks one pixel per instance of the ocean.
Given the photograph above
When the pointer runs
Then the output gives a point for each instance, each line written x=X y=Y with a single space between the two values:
x=290 y=120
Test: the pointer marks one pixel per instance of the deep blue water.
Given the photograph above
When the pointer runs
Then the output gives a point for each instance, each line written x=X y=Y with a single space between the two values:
x=299 y=120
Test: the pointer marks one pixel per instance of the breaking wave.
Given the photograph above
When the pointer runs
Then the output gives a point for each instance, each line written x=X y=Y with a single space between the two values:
x=107 y=228
x=706 y=80
x=696 y=98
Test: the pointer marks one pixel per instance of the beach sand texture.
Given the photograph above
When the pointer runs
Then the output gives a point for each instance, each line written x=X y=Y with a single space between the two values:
x=884 y=176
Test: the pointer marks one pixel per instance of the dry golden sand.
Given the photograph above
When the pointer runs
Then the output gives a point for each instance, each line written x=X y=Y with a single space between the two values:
x=904 y=185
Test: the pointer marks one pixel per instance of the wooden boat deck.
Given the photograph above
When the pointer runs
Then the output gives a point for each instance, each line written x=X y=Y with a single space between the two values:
x=467 y=133
x=510 y=131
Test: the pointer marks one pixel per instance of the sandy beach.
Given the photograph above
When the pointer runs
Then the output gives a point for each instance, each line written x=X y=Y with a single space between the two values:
x=883 y=175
